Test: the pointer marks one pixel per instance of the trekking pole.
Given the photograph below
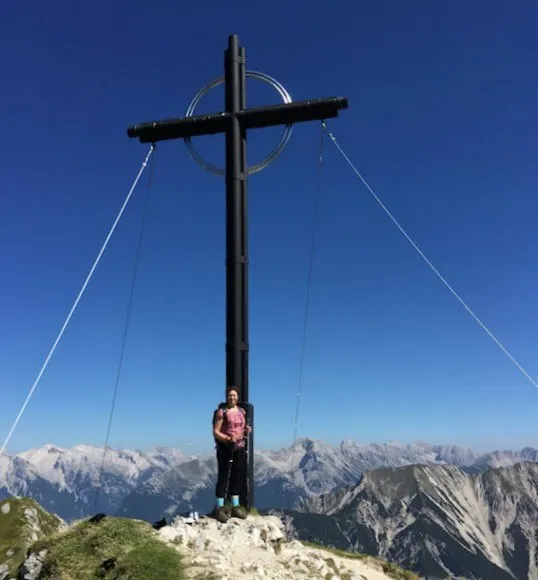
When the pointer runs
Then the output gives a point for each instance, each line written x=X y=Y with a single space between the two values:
x=248 y=483
x=230 y=465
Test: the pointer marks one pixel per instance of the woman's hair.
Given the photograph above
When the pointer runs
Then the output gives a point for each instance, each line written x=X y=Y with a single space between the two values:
x=232 y=388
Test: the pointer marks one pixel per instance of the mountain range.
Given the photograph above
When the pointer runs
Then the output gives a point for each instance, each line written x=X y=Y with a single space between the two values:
x=165 y=481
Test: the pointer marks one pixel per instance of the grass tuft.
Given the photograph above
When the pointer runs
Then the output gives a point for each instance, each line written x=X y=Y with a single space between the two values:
x=78 y=554
x=17 y=529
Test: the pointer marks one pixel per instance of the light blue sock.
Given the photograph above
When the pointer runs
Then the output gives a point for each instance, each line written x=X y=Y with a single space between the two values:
x=235 y=500
x=220 y=502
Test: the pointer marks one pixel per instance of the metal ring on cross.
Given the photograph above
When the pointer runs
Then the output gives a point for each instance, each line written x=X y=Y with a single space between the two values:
x=286 y=98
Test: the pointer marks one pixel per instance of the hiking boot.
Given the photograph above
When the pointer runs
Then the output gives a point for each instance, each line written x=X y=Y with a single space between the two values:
x=221 y=515
x=239 y=512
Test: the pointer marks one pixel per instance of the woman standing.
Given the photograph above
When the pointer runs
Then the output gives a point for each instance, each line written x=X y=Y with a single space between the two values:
x=230 y=429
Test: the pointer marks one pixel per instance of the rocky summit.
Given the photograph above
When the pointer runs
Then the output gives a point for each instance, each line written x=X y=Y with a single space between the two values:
x=37 y=546
x=257 y=548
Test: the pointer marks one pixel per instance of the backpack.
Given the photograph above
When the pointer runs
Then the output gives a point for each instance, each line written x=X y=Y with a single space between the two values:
x=224 y=407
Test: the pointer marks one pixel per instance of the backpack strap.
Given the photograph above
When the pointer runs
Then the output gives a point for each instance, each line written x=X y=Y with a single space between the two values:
x=222 y=407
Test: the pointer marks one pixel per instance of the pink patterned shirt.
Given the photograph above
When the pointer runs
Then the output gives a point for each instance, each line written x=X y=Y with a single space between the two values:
x=233 y=425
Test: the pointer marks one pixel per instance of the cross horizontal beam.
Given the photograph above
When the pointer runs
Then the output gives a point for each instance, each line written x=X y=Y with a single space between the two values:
x=254 y=118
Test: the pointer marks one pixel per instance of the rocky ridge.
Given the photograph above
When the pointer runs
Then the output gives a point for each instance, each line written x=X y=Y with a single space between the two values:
x=436 y=520
x=258 y=548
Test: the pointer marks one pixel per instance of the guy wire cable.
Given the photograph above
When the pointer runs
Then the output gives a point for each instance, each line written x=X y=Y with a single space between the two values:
x=308 y=288
x=88 y=278
x=126 y=328
x=422 y=255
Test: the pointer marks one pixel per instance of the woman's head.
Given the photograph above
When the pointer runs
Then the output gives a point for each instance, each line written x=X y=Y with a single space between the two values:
x=232 y=395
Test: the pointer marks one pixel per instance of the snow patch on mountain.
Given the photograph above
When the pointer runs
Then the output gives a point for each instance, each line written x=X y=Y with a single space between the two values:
x=64 y=466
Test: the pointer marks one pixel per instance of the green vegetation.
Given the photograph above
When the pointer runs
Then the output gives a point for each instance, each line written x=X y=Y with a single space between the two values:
x=80 y=552
x=387 y=567
x=22 y=521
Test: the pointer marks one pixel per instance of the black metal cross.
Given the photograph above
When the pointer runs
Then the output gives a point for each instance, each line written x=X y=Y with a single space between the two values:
x=234 y=122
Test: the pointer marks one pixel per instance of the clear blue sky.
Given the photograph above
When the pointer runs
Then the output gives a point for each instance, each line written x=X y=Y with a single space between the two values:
x=442 y=122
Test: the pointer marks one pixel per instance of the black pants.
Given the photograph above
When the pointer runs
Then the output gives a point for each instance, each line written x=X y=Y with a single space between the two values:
x=236 y=470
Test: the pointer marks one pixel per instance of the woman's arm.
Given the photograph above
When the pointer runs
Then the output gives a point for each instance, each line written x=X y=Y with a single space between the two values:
x=217 y=431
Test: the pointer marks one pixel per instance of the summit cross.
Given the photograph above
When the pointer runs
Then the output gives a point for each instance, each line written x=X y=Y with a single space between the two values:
x=234 y=122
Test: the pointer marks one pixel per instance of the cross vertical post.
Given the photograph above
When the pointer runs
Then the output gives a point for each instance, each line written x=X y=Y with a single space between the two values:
x=234 y=122
x=237 y=347
x=248 y=483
